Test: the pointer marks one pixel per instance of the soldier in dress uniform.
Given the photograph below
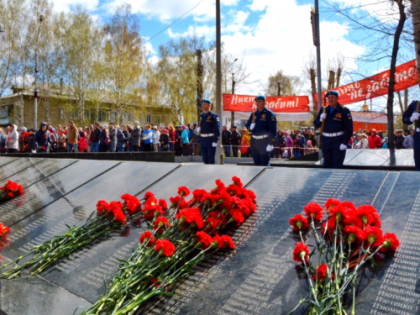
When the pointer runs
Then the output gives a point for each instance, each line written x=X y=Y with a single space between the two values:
x=338 y=129
x=209 y=130
x=263 y=125
x=411 y=115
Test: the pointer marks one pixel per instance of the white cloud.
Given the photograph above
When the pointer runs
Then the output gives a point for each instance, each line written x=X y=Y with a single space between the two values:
x=66 y=5
x=238 y=22
x=200 y=31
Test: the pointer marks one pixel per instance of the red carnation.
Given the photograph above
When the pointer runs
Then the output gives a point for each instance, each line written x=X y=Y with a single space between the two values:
x=148 y=195
x=314 y=211
x=339 y=213
x=132 y=203
x=331 y=203
x=330 y=226
x=321 y=272
x=353 y=220
x=163 y=204
x=237 y=181
x=203 y=240
x=165 y=248
x=390 y=242
x=301 y=252
x=161 y=224
x=102 y=206
x=234 y=190
x=349 y=205
x=147 y=237
x=4 y=230
x=223 y=242
x=214 y=220
x=183 y=191
x=367 y=214
x=116 y=210
x=152 y=210
x=192 y=216
x=237 y=216
x=299 y=222
x=199 y=195
x=354 y=234
x=219 y=187
x=374 y=235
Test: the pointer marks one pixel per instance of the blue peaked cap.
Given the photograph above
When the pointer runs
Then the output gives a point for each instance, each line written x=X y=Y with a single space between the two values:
x=260 y=98
x=206 y=101
x=332 y=93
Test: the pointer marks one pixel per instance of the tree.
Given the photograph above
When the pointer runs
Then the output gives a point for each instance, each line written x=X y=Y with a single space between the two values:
x=415 y=13
x=286 y=85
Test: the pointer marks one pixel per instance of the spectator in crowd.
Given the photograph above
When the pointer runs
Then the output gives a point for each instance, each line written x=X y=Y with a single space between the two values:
x=54 y=139
x=288 y=142
x=375 y=142
x=2 y=141
x=42 y=138
x=196 y=141
x=278 y=145
x=135 y=136
x=164 y=140
x=121 y=140
x=12 y=140
x=310 y=136
x=185 y=140
x=235 y=140
x=129 y=140
x=298 y=144
x=82 y=143
x=62 y=139
x=409 y=140
x=94 y=138
x=72 y=137
x=385 y=144
x=112 y=146
x=178 y=141
x=245 y=143
x=226 y=140
x=147 y=137
x=31 y=136
x=172 y=133
x=363 y=143
x=380 y=135
x=357 y=140
x=23 y=140
x=399 y=139
x=309 y=149
x=104 y=139
x=156 y=137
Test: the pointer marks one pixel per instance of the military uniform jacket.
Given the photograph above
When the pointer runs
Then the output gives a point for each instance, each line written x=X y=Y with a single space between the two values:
x=406 y=120
x=210 y=123
x=265 y=124
x=339 y=120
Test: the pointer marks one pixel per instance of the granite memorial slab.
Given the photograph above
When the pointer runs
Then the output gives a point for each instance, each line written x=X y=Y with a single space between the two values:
x=35 y=296
x=85 y=272
x=50 y=189
x=17 y=166
x=6 y=160
x=37 y=172
x=260 y=277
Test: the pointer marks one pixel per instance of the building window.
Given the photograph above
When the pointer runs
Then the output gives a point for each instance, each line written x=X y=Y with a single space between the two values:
x=127 y=117
x=4 y=111
x=102 y=116
x=61 y=113
x=113 y=116
x=149 y=119
x=87 y=114
x=157 y=120
x=74 y=114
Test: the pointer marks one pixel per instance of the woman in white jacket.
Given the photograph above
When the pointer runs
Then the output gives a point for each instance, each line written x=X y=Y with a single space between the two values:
x=363 y=143
x=12 y=139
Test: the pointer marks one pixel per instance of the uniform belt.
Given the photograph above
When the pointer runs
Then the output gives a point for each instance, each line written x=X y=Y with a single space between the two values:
x=260 y=137
x=331 y=135
x=418 y=130
x=205 y=135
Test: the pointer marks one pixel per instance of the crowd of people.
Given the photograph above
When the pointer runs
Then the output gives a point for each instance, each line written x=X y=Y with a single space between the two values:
x=184 y=140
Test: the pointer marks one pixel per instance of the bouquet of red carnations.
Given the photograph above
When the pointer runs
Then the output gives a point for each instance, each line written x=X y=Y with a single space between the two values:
x=345 y=240
x=4 y=231
x=109 y=217
x=10 y=191
x=188 y=232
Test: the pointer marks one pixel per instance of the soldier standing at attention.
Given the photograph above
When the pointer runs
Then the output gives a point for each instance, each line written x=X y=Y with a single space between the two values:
x=263 y=125
x=338 y=129
x=411 y=115
x=210 y=133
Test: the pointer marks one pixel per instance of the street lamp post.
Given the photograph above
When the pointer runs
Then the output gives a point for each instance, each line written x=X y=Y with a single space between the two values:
x=218 y=75
x=36 y=74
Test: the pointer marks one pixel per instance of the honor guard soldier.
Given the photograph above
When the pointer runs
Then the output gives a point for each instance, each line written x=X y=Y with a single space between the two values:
x=336 y=132
x=263 y=125
x=210 y=133
x=411 y=115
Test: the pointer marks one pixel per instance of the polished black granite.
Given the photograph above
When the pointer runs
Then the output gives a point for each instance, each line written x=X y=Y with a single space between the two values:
x=36 y=172
x=7 y=170
x=85 y=272
x=259 y=277
x=50 y=189
x=6 y=160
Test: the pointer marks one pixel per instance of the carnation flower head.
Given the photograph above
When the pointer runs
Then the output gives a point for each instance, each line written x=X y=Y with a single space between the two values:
x=162 y=203
x=102 y=206
x=331 y=203
x=349 y=205
x=301 y=253
x=165 y=247
x=161 y=224
x=374 y=235
x=214 y=220
x=234 y=190
x=314 y=211
x=236 y=216
x=299 y=223
x=339 y=213
x=192 y=216
x=320 y=272
x=367 y=214
x=390 y=242
x=147 y=237
x=183 y=191
x=199 y=195
x=223 y=242
x=354 y=234
x=148 y=195
x=237 y=181
x=132 y=203
x=219 y=187
x=152 y=210
x=4 y=230
x=203 y=240
x=353 y=220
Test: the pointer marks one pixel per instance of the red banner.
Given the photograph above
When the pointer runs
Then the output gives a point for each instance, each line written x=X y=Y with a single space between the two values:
x=405 y=76
x=278 y=104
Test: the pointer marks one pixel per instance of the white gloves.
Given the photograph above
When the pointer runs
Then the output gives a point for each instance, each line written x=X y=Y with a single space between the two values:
x=198 y=129
x=269 y=148
x=343 y=147
x=414 y=117
x=323 y=116
x=214 y=144
x=252 y=126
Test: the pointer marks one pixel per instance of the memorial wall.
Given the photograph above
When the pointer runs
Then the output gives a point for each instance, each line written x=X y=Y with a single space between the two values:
x=258 y=277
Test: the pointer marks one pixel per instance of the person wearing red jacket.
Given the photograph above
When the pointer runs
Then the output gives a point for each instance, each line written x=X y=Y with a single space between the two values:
x=374 y=140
